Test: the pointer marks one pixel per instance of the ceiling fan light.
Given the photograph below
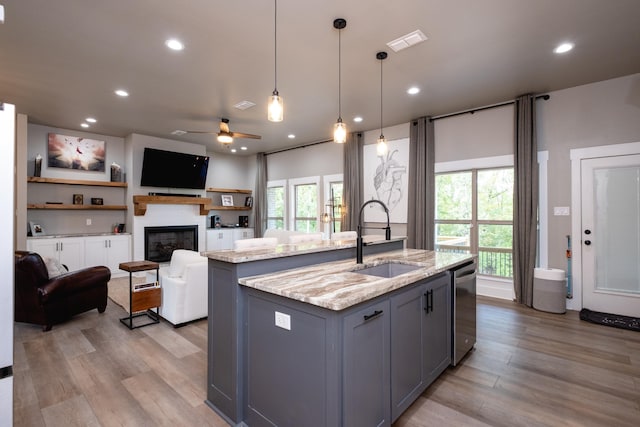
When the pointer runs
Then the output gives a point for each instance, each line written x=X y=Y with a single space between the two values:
x=381 y=146
x=276 y=108
x=225 y=139
x=339 y=132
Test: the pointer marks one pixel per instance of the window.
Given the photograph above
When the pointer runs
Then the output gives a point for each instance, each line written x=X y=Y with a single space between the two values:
x=276 y=197
x=304 y=204
x=474 y=213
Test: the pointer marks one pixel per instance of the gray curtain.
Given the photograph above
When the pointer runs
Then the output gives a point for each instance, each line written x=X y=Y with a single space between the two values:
x=260 y=195
x=352 y=189
x=525 y=206
x=421 y=190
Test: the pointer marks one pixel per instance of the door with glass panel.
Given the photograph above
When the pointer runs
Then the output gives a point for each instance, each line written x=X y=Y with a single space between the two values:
x=610 y=234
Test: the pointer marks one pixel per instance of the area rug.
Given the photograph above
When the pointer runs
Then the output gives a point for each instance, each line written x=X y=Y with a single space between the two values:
x=118 y=290
x=615 y=320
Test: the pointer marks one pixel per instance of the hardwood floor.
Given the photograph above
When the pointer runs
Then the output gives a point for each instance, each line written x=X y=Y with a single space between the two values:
x=528 y=369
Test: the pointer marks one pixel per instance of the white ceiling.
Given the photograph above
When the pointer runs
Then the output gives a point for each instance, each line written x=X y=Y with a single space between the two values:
x=60 y=61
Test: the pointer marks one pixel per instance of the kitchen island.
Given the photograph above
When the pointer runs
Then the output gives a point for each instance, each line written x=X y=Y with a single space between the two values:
x=326 y=344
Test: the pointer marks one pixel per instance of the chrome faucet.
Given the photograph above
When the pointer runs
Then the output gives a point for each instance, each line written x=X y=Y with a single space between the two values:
x=387 y=234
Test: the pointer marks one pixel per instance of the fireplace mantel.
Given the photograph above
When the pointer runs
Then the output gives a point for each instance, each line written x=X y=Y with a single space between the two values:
x=140 y=202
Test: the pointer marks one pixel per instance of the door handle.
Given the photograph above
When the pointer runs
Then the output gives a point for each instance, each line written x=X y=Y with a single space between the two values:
x=371 y=316
x=587 y=242
x=428 y=301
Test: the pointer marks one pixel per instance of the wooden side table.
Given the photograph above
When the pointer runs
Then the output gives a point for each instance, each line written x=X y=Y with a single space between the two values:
x=143 y=297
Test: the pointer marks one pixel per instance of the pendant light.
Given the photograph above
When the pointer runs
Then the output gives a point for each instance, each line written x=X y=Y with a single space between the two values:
x=275 y=111
x=381 y=146
x=339 y=129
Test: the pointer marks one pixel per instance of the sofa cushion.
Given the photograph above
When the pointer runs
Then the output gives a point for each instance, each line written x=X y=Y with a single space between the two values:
x=180 y=258
x=53 y=267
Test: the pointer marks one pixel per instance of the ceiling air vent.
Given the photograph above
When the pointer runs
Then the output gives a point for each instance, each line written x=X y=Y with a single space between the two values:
x=243 y=105
x=407 y=40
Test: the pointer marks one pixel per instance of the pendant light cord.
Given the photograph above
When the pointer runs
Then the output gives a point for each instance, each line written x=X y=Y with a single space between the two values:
x=275 y=47
x=381 y=59
x=340 y=74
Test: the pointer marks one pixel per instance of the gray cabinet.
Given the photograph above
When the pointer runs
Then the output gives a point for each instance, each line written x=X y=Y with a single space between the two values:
x=420 y=333
x=437 y=329
x=365 y=380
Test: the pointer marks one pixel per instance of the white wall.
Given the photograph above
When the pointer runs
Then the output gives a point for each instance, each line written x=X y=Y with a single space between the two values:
x=320 y=159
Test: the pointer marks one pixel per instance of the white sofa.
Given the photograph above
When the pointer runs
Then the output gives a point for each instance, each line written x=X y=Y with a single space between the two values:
x=305 y=237
x=344 y=235
x=281 y=235
x=184 y=287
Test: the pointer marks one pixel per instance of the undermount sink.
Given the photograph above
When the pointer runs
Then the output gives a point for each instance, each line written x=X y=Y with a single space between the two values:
x=388 y=270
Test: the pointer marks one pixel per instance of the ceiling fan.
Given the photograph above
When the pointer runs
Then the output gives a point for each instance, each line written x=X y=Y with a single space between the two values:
x=225 y=136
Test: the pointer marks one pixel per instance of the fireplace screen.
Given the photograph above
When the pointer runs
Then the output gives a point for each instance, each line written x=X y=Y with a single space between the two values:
x=160 y=242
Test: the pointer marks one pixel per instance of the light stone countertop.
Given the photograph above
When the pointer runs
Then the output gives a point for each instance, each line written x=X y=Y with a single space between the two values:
x=285 y=250
x=337 y=285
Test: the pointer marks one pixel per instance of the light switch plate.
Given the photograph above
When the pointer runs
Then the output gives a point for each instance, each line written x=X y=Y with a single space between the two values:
x=561 y=210
x=283 y=321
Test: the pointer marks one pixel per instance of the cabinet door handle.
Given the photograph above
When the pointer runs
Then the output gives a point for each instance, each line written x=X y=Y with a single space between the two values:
x=105 y=243
x=61 y=247
x=428 y=301
x=371 y=316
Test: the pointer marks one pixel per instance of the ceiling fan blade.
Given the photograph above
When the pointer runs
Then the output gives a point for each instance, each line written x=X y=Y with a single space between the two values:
x=245 y=135
x=200 y=131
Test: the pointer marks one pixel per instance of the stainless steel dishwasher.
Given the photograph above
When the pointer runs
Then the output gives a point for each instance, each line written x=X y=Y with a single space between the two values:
x=464 y=311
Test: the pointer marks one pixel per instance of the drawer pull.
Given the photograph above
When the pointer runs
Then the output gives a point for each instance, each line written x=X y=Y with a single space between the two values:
x=371 y=316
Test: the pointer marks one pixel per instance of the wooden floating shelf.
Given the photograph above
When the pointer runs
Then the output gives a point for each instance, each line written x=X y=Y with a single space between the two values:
x=227 y=208
x=75 y=182
x=140 y=203
x=228 y=190
x=56 y=206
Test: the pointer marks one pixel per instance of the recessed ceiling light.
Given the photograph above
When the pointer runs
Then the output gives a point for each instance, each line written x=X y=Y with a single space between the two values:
x=291 y=136
x=122 y=93
x=233 y=150
x=85 y=125
x=174 y=44
x=178 y=132
x=563 y=48
x=243 y=148
x=357 y=119
x=413 y=90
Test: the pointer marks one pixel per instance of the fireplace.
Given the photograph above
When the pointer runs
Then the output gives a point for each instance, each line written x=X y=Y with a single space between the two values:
x=160 y=242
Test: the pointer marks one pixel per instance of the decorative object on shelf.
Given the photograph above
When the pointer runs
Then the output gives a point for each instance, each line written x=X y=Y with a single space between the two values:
x=243 y=221
x=381 y=146
x=72 y=152
x=116 y=172
x=78 y=199
x=227 y=200
x=275 y=110
x=248 y=201
x=37 y=171
x=36 y=229
x=118 y=228
x=339 y=128
x=97 y=201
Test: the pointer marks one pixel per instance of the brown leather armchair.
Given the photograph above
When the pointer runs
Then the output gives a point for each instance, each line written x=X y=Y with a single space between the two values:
x=45 y=301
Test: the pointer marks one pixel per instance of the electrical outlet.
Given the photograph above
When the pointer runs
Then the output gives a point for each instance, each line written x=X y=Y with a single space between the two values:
x=283 y=321
x=88 y=221
x=561 y=210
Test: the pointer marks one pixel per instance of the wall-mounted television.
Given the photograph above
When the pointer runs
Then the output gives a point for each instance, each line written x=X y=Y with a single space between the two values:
x=169 y=169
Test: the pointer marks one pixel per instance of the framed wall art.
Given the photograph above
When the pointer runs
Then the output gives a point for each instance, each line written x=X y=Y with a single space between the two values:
x=227 y=200
x=72 y=152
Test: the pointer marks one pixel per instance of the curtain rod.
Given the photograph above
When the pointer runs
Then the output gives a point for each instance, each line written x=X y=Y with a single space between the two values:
x=298 y=146
x=473 y=110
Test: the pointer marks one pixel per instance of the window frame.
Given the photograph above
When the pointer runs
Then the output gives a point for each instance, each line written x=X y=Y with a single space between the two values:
x=278 y=183
x=292 y=183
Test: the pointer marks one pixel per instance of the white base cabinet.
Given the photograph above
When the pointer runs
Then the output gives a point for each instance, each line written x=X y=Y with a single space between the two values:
x=68 y=250
x=223 y=238
x=109 y=251
x=85 y=251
